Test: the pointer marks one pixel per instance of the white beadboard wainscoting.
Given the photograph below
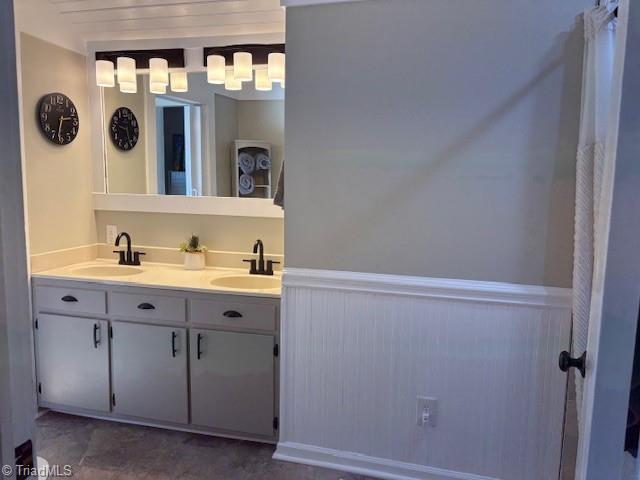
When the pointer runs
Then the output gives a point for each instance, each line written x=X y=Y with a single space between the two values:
x=358 y=349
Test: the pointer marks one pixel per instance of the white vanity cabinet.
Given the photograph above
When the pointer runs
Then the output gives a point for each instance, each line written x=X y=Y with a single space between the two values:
x=150 y=371
x=73 y=361
x=192 y=360
x=235 y=372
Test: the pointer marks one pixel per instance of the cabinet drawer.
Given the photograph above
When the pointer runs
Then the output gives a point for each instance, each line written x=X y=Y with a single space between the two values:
x=233 y=314
x=150 y=307
x=72 y=300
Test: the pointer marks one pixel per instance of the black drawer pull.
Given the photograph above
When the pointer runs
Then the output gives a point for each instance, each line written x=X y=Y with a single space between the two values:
x=146 y=306
x=199 y=346
x=96 y=330
x=174 y=350
x=69 y=298
x=232 y=314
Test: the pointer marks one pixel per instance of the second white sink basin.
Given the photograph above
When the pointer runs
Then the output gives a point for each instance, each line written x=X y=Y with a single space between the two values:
x=247 y=282
x=108 y=271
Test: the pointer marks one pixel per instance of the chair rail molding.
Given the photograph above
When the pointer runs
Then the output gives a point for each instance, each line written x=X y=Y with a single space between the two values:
x=358 y=349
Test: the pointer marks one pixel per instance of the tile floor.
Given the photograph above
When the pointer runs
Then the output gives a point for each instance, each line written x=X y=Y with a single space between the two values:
x=101 y=450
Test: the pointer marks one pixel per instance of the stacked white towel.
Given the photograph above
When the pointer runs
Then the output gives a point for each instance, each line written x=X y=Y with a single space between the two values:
x=263 y=162
x=247 y=184
x=246 y=162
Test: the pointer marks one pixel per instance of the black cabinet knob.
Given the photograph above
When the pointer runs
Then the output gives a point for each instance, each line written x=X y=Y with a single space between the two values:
x=566 y=361
x=69 y=299
x=146 y=306
x=232 y=314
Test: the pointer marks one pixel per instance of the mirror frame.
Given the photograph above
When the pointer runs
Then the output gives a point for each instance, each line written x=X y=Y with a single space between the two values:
x=206 y=205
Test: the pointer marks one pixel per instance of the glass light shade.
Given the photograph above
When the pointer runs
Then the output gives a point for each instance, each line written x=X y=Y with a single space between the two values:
x=158 y=71
x=243 y=66
x=263 y=83
x=158 y=88
x=216 y=69
x=129 y=87
x=126 y=70
x=179 y=82
x=276 y=67
x=231 y=82
x=104 y=73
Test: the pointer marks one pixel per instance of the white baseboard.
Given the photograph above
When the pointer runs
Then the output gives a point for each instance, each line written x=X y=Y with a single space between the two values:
x=365 y=465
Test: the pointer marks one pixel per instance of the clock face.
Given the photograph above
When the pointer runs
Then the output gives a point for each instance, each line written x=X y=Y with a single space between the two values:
x=124 y=129
x=58 y=118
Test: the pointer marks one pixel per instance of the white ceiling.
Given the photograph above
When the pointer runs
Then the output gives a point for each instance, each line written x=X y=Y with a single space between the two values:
x=106 y=20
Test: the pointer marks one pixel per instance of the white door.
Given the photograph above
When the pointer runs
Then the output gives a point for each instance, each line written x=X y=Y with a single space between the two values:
x=616 y=283
x=72 y=356
x=150 y=371
x=232 y=381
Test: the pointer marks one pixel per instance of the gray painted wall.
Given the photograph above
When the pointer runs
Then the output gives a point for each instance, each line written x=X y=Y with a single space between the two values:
x=433 y=138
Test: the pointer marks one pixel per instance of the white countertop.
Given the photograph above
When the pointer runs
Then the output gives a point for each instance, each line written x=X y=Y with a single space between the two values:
x=160 y=275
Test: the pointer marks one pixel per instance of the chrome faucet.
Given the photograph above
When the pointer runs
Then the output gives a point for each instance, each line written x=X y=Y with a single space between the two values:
x=129 y=257
x=257 y=266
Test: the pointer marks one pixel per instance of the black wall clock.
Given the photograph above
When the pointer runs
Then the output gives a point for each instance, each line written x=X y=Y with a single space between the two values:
x=58 y=118
x=124 y=129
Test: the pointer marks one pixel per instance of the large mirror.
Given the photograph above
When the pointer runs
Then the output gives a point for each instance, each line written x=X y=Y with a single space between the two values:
x=207 y=141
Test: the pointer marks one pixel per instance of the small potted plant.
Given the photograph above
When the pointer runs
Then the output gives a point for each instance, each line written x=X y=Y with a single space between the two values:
x=194 y=253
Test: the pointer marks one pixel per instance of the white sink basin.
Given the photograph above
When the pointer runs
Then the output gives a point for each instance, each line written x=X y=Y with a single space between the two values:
x=108 y=271
x=247 y=282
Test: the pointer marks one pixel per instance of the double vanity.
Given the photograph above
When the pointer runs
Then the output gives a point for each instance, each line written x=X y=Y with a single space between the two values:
x=159 y=345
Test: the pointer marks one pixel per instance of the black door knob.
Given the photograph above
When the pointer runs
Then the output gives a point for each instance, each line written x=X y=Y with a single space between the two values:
x=566 y=361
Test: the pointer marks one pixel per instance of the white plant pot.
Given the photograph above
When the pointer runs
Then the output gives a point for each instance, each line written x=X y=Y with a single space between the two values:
x=194 y=261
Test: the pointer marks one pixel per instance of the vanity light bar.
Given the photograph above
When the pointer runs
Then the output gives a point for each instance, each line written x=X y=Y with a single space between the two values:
x=128 y=61
x=241 y=60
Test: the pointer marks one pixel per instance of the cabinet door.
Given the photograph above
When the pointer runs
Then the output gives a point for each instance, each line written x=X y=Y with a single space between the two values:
x=150 y=371
x=73 y=361
x=232 y=381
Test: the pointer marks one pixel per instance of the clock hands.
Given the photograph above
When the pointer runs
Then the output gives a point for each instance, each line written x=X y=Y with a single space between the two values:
x=126 y=129
x=62 y=119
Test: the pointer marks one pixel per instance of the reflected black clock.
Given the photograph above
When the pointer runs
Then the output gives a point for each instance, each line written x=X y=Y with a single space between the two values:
x=124 y=129
x=58 y=117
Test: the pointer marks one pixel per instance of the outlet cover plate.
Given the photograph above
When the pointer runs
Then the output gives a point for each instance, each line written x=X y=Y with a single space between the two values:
x=112 y=233
x=430 y=405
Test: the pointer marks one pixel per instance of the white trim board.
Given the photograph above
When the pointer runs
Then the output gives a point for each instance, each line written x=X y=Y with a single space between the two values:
x=226 y=206
x=365 y=465
x=445 y=288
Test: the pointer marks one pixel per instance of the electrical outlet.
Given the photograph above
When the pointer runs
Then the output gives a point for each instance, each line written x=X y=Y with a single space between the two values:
x=112 y=233
x=426 y=411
